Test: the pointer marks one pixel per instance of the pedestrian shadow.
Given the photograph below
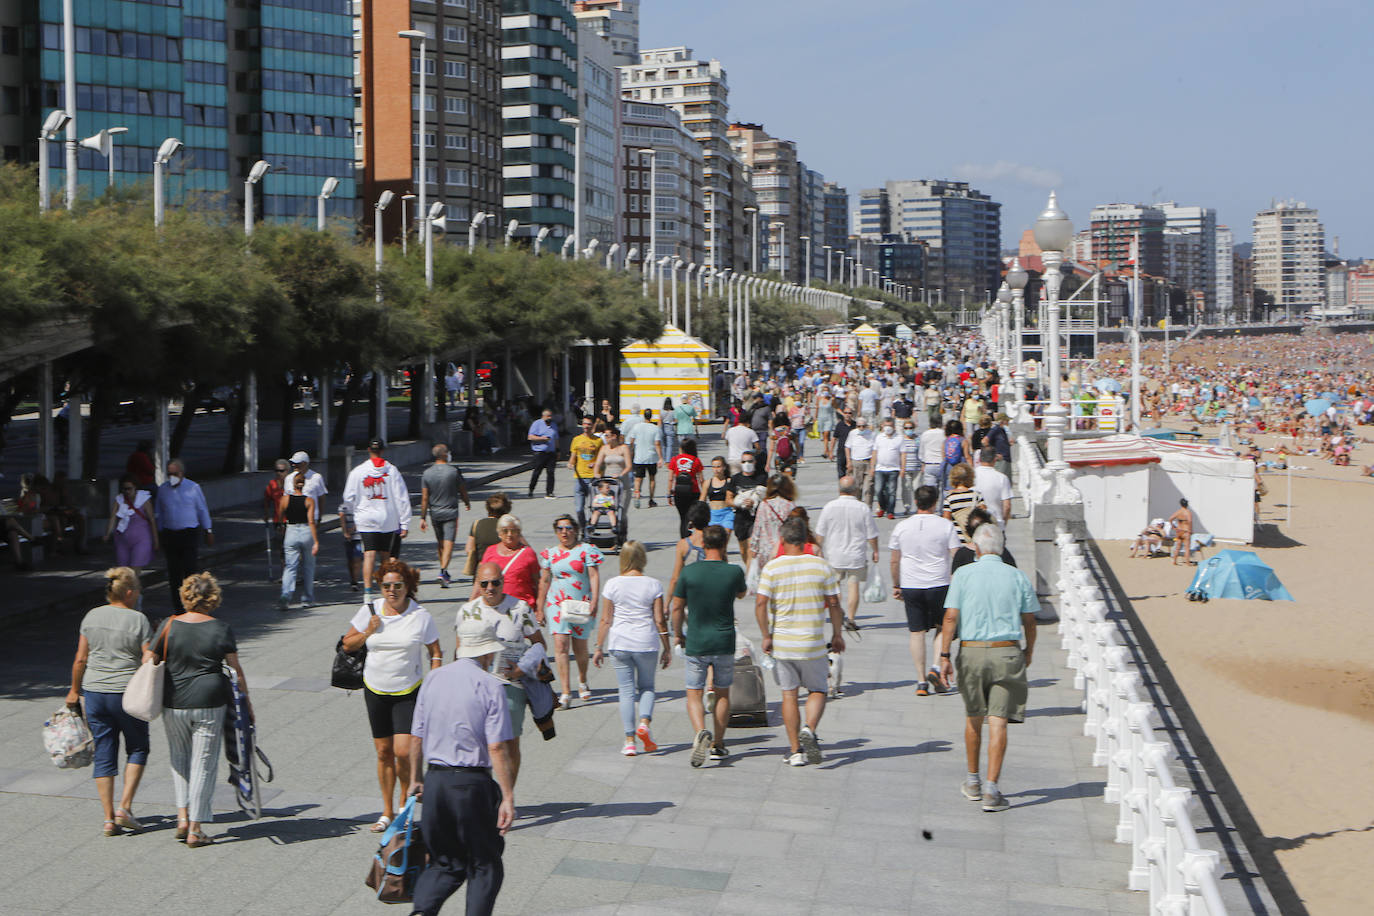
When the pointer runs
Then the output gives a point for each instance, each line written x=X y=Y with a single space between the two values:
x=838 y=754
x=1284 y=843
x=554 y=812
x=1044 y=682
x=858 y=688
x=1058 y=793
x=284 y=826
x=1054 y=711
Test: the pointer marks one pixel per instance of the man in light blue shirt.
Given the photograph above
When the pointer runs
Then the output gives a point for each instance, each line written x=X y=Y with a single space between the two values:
x=991 y=605
x=543 y=438
x=181 y=513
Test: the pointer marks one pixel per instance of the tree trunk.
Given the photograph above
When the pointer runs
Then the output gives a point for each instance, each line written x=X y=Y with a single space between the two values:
x=182 y=429
x=288 y=414
x=101 y=402
x=372 y=405
x=233 y=451
x=350 y=393
x=417 y=384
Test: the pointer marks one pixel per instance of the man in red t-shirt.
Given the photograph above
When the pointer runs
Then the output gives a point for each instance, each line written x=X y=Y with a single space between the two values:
x=271 y=509
x=140 y=466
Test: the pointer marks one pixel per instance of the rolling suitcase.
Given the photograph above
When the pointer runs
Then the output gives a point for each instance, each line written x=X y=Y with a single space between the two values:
x=748 y=702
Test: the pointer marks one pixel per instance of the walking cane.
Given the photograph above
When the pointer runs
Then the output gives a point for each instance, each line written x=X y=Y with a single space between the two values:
x=267 y=535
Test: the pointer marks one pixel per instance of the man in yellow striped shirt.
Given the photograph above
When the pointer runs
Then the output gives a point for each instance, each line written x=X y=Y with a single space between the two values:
x=796 y=593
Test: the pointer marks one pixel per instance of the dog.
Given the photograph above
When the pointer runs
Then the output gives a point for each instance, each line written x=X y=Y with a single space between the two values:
x=834 y=681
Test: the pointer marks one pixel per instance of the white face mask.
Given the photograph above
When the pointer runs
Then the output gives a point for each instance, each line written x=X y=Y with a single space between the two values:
x=887 y=430
x=747 y=467
x=174 y=479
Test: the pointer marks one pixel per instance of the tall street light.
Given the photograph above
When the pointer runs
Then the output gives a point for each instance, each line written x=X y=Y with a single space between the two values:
x=435 y=220
x=406 y=198
x=1054 y=233
x=103 y=143
x=378 y=208
x=753 y=213
x=673 y=268
x=69 y=91
x=511 y=228
x=1003 y=337
x=658 y=271
x=477 y=220
x=326 y=191
x=255 y=175
x=539 y=237
x=651 y=255
x=610 y=255
x=807 y=240
x=169 y=148
x=687 y=299
x=422 y=38
x=52 y=127
x=828 y=252
x=630 y=257
x=577 y=126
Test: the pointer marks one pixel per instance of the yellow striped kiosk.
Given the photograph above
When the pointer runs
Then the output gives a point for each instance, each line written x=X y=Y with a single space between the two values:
x=868 y=336
x=674 y=366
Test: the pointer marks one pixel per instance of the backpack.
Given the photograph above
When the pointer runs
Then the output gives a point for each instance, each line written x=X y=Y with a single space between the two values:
x=784 y=448
x=954 y=450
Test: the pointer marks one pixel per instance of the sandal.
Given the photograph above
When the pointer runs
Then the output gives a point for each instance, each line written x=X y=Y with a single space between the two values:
x=126 y=820
x=198 y=839
x=111 y=828
x=182 y=828
x=383 y=822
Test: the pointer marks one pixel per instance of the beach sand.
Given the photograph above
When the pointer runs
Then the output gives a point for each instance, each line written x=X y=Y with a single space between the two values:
x=1285 y=690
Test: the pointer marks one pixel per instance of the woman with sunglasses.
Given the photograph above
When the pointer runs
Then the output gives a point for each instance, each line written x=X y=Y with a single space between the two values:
x=516 y=559
x=569 y=572
x=131 y=524
x=401 y=637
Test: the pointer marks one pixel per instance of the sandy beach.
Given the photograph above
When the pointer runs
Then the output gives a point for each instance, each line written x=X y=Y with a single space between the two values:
x=1285 y=690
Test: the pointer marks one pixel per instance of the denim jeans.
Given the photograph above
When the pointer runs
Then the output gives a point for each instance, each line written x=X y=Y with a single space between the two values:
x=582 y=491
x=107 y=720
x=299 y=562
x=887 y=490
x=634 y=672
x=670 y=441
x=910 y=481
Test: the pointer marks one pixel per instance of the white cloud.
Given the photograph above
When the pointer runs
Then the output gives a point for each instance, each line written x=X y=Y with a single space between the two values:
x=1002 y=170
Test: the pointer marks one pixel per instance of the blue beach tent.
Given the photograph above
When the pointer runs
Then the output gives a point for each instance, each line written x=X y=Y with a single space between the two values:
x=1236 y=574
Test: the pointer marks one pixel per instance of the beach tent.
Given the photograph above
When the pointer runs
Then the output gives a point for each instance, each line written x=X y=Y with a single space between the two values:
x=1236 y=574
x=674 y=366
x=902 y=332
x=867 y=335
x=1127 y=480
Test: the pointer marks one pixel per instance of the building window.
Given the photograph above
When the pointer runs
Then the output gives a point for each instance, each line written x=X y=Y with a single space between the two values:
x=455 y=69
x=429 y=101
x=457 y=177
x=455 y=105
x=455 y=141
x=456 y=33
x=429 y=65
x=431 y=174
x=458 y=212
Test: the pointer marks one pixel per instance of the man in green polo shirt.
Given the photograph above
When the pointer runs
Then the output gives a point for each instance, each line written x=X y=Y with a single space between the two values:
x=705 y=595
x=992 y=605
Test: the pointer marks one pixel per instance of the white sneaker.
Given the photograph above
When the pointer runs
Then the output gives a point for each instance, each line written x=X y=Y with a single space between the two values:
x=810 y=746
x=564 y=701
x=629 y=749
x=796 y=760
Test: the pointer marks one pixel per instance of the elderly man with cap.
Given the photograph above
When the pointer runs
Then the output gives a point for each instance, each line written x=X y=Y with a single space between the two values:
x=858 y=449
x=377 y=496
x=462 y=729
x=314 y=482
x=441 y=486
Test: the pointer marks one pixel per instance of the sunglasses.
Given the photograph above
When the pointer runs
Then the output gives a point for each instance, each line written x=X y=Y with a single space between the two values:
x=489 y=583
x=393 y=585
x=564 y=527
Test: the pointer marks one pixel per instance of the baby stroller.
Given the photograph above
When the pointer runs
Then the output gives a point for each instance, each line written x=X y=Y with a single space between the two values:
x=603 y=535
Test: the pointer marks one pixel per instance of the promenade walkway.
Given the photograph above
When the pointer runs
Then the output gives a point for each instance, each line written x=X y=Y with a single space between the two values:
x=879 y=827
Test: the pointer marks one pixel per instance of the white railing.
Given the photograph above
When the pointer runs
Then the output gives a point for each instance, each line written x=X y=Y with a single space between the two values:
x=1155 y=817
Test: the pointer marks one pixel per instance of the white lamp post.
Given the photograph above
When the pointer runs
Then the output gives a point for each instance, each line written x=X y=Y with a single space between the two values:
x=658 y=271
x=421 y=37
x=406 y=198
x=590 y=251
x=69 y=90
x=687 y=299
x=473 y=226
x=651 y=254
x=103 y=143
x=568 y=244
x=576 y=125
x=436 y=220
x=1016 y=279
x=753 y=239
x=52 y=127
x=255 y=175
x=807 y=240
x=673 y=268
x=610 y=255
x=539 y=239
x=511 y=228
x=169 y=148
x=379 y=252
x=828 y=252
x=1053 y=233
x=630 y=257
x=1003 y=305
x=326 y=191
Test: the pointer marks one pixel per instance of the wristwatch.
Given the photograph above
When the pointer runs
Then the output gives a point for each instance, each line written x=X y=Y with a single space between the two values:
x=944 y=655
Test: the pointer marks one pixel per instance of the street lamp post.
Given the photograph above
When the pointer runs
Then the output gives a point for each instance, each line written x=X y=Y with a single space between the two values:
x=829 y=250
x=406 y=198
x=52 y=127
x=103 y=143
x=610 y=256
x=255 y=175
x=658 y=273
x=807 y=247
x=165 y=152
x=1053 y=233
x=435 y=220
x=420 y=211
x=379 y=249
x=1003 y=304
x=687 y=299
x=577 y=126
x=630 y=257
x=782 y=246
x=651 y=254
x=539 y=239
x=511 y=228
x=69 y=90
x=753 y=238
x=250 y=383
x=476 y=222
x=326 y=191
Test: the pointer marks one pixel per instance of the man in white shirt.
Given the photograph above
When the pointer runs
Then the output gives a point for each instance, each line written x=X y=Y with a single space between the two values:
x=377 y=495
x=314 y=483
x=849 y=538
x=868 y=403
x=858 y=450
x=992 y=486
x=887 y=464
x=922 y=547
x=932 y=452
x=738 y=440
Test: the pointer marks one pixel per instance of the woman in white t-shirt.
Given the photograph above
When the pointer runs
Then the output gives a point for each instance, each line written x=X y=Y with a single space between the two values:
x=634 y=632
x=400 y=636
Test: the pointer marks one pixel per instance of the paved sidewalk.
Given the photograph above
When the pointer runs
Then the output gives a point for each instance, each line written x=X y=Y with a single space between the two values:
x=879 y=827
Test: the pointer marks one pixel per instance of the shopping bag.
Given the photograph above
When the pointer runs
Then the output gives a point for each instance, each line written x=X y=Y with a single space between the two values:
x=143 y=694
x=67 y=739
x=873 y=591
x=400 y=857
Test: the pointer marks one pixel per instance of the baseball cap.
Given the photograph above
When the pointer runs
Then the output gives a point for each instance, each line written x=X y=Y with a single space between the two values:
x=477 y=636
x=300 y=458
x=376 y=443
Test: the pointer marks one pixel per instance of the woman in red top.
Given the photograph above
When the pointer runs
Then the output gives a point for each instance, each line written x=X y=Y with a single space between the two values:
x=518 y=561
x=810 y=549
x=686 y=470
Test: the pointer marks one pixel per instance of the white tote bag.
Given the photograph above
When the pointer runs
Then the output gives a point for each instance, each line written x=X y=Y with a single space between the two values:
x=143 y=695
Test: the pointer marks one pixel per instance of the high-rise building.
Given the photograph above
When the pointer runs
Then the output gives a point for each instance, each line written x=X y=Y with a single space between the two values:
x=599 y=104
x=539 y=88
x=780 y=186
x=1115 y=227
x=1225 y=272
x=1289 y=245
x=679 y=165
x=1359 y=294
x=813 y=219
x=961 y=227
x=1243 y=285
x=461 y=106
x=699 y=92
x=236 y=83
x=617 y=21
x=900 y=260
x=871 y=216
x=836 y=227
x=1337 y=284
x=1194 y=267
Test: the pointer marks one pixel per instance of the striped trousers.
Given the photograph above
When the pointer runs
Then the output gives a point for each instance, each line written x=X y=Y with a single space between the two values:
x=195 y=741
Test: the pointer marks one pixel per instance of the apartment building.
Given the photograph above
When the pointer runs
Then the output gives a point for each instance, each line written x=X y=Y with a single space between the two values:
x=1289 y=245
x=678 y=166
x=617 y=21
x=1116 y=227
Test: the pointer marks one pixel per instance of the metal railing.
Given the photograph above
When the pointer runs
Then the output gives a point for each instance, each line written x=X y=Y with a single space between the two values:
x=1155 y=814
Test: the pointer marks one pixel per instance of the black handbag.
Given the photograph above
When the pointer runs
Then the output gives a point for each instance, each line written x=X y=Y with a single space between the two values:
x=347 y=672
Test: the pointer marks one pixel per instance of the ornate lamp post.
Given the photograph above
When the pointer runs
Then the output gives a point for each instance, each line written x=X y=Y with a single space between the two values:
x=1016 y=279
x=1053 y=233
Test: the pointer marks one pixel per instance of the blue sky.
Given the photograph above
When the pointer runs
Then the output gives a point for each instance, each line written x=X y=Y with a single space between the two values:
x=1211 y=102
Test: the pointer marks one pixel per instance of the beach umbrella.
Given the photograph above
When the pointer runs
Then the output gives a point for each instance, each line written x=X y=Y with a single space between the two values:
x=1107 y=384
x=1331 y=396
x=1254 y=401
x=1236 y=574
x=1317 y=406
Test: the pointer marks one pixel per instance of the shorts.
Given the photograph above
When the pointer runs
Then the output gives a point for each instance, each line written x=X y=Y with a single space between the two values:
x=444 y=528
x=353 y=549
x=993 y=682
x=859 y=575
x=515 y=705
x=722 y=667
x=725 y=518
x=744 y=524
x=646 y=470
x=925 y=607
x=390 y=714
x=811 y=673
x=387 y=542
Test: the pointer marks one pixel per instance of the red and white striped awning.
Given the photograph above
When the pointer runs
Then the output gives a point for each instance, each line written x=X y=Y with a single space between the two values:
x=1126 y=449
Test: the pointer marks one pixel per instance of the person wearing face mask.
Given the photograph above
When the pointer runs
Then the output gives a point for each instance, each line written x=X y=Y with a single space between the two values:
x=741 y=490
x=911 y=465
x=181 y=515
x=887 y=465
